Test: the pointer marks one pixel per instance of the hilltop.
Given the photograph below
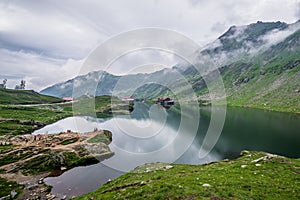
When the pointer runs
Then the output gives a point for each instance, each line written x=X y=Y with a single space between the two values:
x=9 y=96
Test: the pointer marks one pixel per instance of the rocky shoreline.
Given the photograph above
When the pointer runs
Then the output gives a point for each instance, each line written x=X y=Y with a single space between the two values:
x=28 y=159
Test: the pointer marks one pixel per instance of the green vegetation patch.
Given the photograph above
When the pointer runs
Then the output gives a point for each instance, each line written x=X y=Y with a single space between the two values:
x=69 y=141
x=255 y=175
x=16 y=155
x=54 y=161
x=99 y=138
x=9 y=96
x=101 y=106
x=15 y=120
x=7 y=187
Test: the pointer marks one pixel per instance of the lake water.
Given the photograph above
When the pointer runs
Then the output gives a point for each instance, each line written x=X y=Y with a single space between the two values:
x=153 y=134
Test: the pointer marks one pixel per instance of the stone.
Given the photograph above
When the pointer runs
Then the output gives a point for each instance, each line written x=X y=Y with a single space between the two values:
x=206 y=185
x=169 y=167
x=259 y=159
x=13 y=194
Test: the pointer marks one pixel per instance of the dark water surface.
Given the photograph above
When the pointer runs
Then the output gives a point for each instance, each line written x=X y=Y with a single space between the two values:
x=152 y=134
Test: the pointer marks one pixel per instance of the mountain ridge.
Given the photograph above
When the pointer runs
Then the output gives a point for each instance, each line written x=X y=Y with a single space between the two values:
x=252 y=56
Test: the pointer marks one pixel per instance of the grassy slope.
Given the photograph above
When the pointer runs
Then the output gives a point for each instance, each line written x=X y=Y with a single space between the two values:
x=272 y=177
x=101 y=106
x=8 y=186
x=15 y=120
x=19 y=120
x=276 y=89
x=9 y=96
x=268 y=80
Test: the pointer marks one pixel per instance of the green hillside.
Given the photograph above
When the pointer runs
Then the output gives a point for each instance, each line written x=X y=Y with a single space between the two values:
x=255 y=175
x=269 y=80
x=9 y=96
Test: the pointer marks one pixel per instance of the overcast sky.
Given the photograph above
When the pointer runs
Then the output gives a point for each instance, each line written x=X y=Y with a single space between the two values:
x=45 y=42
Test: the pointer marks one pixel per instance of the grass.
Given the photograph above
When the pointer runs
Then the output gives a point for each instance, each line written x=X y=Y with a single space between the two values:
x=9 y=96
x=271 y=177
x=15 y=155
x=69 y=141
x=15 y=120
x=99 y=138
x=54 y=161
x=100 y=106
x=8 y=186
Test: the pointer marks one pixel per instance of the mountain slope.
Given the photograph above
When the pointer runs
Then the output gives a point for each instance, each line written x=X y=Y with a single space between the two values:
x=8 y=96
x=269 y=80
x=259 y=64
x=65 y=89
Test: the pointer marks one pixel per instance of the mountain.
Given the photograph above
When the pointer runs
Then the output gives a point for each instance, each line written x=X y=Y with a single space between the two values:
x=102 y=83
x=259 y=64
x=9 y=96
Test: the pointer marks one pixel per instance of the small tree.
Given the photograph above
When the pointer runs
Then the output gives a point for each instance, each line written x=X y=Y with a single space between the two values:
x=21 y=86
x=4 y=84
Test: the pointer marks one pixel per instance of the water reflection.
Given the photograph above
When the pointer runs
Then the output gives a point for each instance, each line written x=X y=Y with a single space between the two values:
x=151 y=134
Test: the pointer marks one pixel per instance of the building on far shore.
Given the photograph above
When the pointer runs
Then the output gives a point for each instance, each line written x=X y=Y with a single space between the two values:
x=67 y=98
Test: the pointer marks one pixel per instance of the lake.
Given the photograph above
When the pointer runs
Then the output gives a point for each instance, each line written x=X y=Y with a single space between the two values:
x=153 y=134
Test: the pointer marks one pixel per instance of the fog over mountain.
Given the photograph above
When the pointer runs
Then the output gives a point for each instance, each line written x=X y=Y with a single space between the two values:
x=46 y=42
x=261 y=57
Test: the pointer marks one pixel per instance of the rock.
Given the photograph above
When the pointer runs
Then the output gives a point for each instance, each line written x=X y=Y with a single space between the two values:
x=50 y=196
x=259 y=159
x=41 y=181
x=13 y=194
x=257 y=165
x=206 y=185
x=262 y=72
x=5 y=197
x=243 y=166
x=245 y=152
x=169 y=167
x=63 y=168
x=246 y=80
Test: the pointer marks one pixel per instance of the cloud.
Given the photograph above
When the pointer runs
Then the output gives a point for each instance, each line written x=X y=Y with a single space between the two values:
x=38 y=71
x=50 y=35
x=277 y=36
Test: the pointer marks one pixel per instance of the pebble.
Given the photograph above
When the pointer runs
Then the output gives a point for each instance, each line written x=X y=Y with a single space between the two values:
x=63 y=168
x=169 y=167
x=206 y=185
